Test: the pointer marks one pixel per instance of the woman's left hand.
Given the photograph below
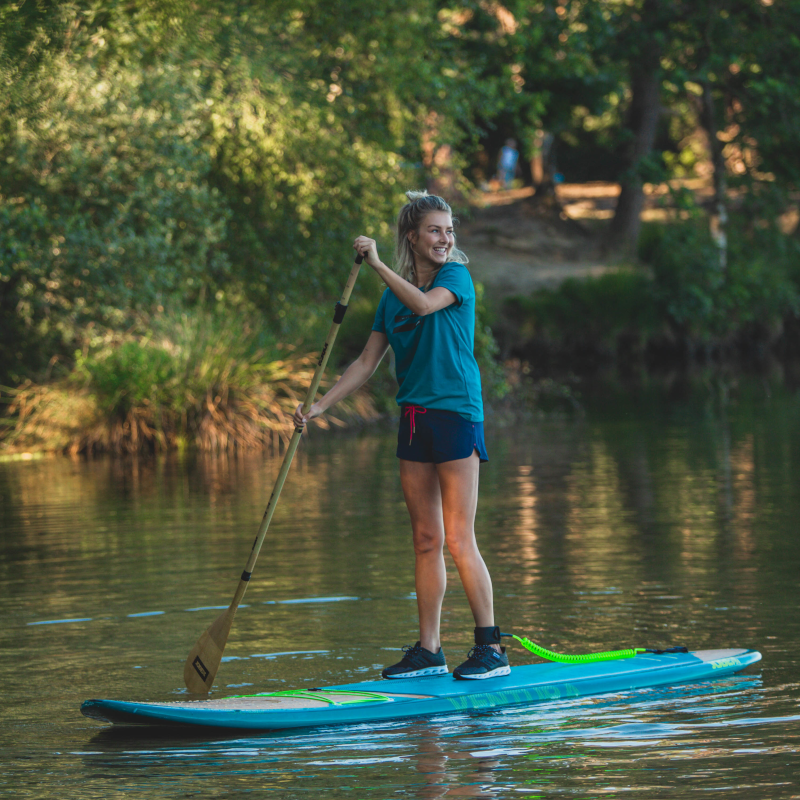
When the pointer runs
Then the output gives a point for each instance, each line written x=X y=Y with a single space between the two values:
x=368 y=248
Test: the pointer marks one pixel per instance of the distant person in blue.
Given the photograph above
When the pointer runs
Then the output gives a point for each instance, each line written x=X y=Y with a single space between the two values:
x=427 y=316
x=507 y=162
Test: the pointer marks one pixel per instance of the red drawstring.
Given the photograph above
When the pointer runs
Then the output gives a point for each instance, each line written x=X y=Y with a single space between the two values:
x=412 y=410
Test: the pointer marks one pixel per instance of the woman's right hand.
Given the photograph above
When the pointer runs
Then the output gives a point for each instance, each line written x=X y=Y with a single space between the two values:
x=300 y=419
x=368 y=249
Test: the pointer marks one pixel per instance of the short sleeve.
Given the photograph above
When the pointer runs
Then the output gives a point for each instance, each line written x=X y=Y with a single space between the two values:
x=456 y=278
x=379 y=324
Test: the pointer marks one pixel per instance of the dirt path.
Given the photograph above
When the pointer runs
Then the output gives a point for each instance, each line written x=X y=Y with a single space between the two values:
x=515 y=246
x=504 y=272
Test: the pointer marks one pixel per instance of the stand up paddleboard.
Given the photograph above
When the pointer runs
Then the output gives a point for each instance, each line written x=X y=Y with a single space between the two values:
x=382 y=701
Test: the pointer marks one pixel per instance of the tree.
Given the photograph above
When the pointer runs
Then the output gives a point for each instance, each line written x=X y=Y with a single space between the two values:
x=155 y=154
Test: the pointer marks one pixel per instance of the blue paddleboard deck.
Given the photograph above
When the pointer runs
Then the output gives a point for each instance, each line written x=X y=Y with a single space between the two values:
x=400 y=699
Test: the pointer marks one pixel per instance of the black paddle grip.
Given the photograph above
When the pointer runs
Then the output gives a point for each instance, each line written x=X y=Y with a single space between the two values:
x=338 y=314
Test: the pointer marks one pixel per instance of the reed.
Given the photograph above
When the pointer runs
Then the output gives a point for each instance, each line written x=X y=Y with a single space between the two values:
x=206 y=379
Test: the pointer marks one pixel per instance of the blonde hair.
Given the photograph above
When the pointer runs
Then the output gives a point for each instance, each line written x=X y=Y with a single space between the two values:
x=409 y=219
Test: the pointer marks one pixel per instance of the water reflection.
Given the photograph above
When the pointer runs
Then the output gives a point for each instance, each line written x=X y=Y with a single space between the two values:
x=587 y=745
x=446 y=772
x=644 y=523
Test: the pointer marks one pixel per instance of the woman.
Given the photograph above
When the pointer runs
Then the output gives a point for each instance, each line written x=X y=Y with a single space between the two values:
x=427 y=315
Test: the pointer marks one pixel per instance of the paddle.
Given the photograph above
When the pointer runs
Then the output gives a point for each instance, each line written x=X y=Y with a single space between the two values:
x=203 y=662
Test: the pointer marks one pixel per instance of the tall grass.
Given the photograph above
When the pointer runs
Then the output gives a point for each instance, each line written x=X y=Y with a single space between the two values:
x=208 y=379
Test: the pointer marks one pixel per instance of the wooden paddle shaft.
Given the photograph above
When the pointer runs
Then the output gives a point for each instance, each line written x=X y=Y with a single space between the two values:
x=341 y=308
x=205 y=658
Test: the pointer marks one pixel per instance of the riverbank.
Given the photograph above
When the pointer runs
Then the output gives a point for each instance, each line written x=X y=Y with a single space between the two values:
x=557 y=305
x=208 y=380
x=554 y=315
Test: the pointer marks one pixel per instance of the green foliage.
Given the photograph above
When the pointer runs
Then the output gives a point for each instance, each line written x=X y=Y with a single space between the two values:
x=157 y=155
x=210 y=378
x=127 y=376
x=705 y=303
x=684 y=296
x=179 y=362
x=756 y=80
x=687 y=281
x=105 y=208
x=152 y=154
x=487 y=351
x=592 y=310
x=116 y=204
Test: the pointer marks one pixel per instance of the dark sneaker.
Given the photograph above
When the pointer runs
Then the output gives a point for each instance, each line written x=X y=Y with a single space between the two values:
x=483 y=661
x=416 y=663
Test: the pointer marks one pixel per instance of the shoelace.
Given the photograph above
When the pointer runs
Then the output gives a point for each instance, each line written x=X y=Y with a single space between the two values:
x=411 y=651
x=412 y=411
x=479 y=650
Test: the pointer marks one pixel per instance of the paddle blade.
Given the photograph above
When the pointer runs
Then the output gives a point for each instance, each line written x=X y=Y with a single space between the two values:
x=203 y=662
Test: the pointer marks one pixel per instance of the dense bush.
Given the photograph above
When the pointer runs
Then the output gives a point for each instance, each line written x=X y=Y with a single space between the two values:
x=106 y=211
x=154 y=155
x=588 y=310
x=703 y=302
x=679 y=300
x=210 y=379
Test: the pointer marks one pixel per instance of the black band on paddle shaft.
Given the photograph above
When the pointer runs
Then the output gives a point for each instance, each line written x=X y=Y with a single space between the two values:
x=487 y=635
x=246 y=575
x=338 y=314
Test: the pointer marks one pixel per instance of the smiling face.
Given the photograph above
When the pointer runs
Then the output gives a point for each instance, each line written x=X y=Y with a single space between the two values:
x=434 y=240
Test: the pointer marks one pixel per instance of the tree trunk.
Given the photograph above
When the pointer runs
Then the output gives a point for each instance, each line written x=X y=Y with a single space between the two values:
x=719 y=214
x=642 y=122
x=543 y=167
x=543 y=158
x=437 y=161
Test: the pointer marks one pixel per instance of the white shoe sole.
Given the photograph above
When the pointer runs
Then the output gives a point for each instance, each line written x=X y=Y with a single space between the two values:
x=482 y=676
x=419 y=673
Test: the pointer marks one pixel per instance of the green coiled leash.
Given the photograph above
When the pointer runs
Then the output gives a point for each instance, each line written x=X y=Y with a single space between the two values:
x=563 y=658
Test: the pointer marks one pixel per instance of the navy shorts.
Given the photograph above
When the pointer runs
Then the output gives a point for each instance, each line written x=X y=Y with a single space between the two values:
x=430 y=435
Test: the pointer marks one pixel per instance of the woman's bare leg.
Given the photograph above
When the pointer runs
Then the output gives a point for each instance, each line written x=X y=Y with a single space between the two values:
x=458 y=485
x=424 y=501
x=442 y=500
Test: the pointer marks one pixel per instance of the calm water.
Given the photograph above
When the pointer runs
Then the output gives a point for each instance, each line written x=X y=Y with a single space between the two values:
x=660 y=519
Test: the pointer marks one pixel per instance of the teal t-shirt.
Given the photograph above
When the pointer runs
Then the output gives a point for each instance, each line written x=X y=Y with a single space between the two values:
x=434 y=358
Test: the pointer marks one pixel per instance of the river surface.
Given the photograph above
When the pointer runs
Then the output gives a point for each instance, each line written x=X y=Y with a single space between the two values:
x=656 y=518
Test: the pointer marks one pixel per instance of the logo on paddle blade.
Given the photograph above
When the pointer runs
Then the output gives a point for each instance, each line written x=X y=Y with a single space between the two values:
x=200 y=668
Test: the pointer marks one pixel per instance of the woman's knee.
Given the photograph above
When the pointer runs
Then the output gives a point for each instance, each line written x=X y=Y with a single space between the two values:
x=428 y=540
x=461 y=545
